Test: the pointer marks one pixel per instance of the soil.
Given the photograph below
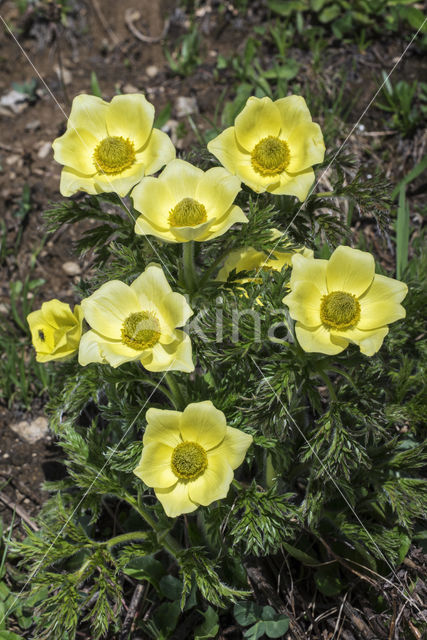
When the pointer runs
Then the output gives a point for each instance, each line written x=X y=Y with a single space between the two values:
x=104 y=37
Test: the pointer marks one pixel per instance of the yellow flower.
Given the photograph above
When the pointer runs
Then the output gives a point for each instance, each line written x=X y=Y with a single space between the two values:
x=55 y=330
x=249 y=259
x=110 y=146
x=185 y=203
x=137 y=322
x=272 y=146
x=342 y=300
x=189 y=456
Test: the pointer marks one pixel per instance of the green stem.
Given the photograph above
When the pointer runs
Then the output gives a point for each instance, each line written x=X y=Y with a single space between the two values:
x=328 y=383
x=324 y=194
x=170 y=544
x=189 y=267
x=176 y=394
x=212 y=268
x=162 y=389
x=126 y=537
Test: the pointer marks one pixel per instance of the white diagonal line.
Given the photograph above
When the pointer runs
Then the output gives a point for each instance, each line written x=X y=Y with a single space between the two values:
x=35 y=572
x=345 y=141
x=24 y=53
x=410 y=600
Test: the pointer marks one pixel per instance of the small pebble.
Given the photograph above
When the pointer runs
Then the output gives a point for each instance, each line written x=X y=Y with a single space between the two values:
x=71 y=268
x=151 y=71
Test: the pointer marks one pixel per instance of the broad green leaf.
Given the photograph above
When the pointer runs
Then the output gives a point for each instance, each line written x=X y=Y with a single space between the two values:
x=300 y=555
x=247 y=612
x=328 y=581
x=276 y=628
x=145 y=568
x=330 y=13
x=255 y=632
x=209 y=627
x=171 y=587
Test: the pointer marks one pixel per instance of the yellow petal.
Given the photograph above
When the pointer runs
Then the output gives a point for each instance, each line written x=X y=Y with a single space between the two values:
x=259 y=119
x=73 y=181
x=175 y=356
x=75 y=149
x=309 y=270
x=304 y=304
x=153 y=199
x=154 y=467
x=214 y=483
x=175 y=309
x=306 y=147
x=240 y=260
x=233 y=216
x=120 y=183
x=157 y=151
x=201 y=422
x=89 y=349
x=58 y=314
x=379 y=305
x=350 y=270
x=294 y=184
x=234 y=447
x=117 y=353
x=216 y=190
x=151 y=284
x=130 y=116
x=199 y=231
x=293 y=112
x=88 y=112
x=182 y=179
x=175 y=501
x=319 y=340
x=163 y=425
x=259 y=184
x=369 y=341
x=108 y=307
x=145 y=228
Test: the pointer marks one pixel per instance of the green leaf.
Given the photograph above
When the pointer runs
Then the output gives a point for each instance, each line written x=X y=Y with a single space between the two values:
x=145 y=568
x=276 y=628
x=402 y=233
x=209 y=627
x=171 y=587
x=300 y=555
x=247 y=612
x=330 y=13
x=163 y=116
x=287 y=8
x=255 y=632
x=328 y=581
x=166 y=616
x=94 y=85
x=9 y=635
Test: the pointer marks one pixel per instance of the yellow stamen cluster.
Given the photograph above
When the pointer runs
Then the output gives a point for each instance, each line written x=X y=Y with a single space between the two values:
x=141 y=330
x=189 y=460
x=114 y=154
x=187 y=213
x=270 y=156
x=339 y=310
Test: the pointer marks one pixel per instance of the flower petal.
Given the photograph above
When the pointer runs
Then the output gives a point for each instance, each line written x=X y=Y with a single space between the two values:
x=185 y=234
x=259 y=119
x=319 y=340
x=175 y=501
x=182 y=179
x=130 y=116
x=153 y=199
x=154 y=468
x=304 y=304
x=108 y=307
x=234 y=447
x=175 y=356
x=201 y=422
x=293 y=112
x=157 y=151
x=163 y=425
x=176 y=309
x=89 y=348
x=120 y=183
x=369 y=341
x=151 y=284
x=306 y=147
x=73 y=181
x=294 y=184
x=88 y=112
x=75 y=149
x=309 y=270
x=117 y=353
x=214 y=483
x=350 y=270
x=217 y=189
x=234 y=215
x=379 y=305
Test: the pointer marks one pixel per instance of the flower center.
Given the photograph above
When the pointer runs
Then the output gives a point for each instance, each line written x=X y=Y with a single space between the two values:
x=141 y=330
x=339 y=310
x=270 y=156
x=189 y=460
x=114 y=154
x=187 y=213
